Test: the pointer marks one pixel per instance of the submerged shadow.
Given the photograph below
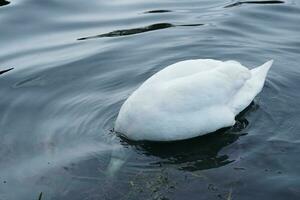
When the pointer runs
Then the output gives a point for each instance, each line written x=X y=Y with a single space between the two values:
x=253 y=2
x=195 y=154
x=198 y=153
x=134 y=31
x=6 y=70
x=4 y=2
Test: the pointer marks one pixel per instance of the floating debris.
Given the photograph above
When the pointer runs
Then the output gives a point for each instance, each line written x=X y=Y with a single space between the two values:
x=134 y=31
x=252 y=2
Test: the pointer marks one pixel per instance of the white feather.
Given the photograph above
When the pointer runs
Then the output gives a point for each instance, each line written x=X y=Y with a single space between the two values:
x=189 y=99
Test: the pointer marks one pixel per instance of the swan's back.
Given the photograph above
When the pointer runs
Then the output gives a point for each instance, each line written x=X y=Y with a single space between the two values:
x=188 y=99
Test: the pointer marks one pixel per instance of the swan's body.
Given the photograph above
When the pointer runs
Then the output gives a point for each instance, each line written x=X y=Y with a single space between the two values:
x=189 y=99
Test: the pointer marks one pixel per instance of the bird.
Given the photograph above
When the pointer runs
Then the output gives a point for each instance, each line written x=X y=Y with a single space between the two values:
x=188 y=99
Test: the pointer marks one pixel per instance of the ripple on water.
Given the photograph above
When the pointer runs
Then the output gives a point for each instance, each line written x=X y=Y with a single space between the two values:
x=6 y=70
x=4 y=2
x=157 y=11
x=252 y=2
x=59 y=103
x=134 y=31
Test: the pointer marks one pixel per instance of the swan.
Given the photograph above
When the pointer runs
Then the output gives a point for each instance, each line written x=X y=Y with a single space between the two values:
x=188 y=99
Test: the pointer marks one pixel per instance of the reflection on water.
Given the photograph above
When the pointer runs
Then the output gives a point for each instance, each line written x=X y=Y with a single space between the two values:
x=252 y=2
x=32 y=81
x=133 y=31
x=4 y=2
x=6 y=70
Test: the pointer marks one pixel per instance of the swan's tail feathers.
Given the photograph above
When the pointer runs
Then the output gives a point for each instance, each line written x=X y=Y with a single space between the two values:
x=262 y=71
x=258 y=75
x=252 y=87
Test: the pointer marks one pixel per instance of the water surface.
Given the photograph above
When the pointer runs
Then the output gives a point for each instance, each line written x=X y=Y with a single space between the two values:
x=66 y=67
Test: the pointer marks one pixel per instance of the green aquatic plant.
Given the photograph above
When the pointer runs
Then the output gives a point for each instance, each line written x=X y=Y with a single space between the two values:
x=154 y=187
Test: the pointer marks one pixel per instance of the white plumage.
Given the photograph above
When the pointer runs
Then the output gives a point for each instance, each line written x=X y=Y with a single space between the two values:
x=188 y=99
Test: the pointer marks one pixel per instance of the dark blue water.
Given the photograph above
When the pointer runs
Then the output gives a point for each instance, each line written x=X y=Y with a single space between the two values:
x=67 y=66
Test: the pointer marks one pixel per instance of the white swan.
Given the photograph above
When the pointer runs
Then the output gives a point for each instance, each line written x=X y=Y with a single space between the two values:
x=188 y=99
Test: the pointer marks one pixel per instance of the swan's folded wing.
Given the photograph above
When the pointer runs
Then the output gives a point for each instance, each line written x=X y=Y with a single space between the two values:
x=184 y=68
x=210 y=88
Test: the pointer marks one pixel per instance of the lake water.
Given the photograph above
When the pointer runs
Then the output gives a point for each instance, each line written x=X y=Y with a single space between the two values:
x=67 y=67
